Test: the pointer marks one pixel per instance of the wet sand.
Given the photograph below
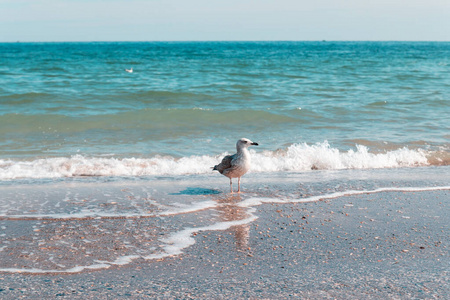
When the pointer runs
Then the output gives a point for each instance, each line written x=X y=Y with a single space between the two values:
x=387 y=245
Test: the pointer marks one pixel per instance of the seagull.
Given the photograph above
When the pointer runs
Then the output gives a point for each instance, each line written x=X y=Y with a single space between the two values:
x=129 y=70
x=237 y=164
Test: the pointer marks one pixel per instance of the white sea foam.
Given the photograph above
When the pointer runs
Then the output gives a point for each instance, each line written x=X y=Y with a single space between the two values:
x=123 y=260
x=255 y=201
x=168 y=210
x=76 y=216
x=182 y=209
x=322 y=156
x=183 y=239
x=298 y=157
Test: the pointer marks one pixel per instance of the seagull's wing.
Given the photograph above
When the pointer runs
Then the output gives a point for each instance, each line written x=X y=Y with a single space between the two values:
x=225 y=164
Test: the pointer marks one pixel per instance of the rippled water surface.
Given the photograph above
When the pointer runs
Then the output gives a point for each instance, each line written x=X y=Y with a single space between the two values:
x=58 y=100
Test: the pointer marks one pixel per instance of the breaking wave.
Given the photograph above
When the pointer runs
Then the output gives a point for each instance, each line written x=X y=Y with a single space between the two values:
x=297 y=157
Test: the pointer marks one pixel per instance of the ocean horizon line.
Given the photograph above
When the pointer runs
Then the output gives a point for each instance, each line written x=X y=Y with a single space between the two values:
x=228 y=41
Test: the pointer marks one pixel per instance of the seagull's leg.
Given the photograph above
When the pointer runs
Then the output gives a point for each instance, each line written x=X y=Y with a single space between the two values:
x=231 y=186
x=239 y=184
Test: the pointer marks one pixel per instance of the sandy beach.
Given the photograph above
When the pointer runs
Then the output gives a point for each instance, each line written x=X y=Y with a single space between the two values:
x=386 y=245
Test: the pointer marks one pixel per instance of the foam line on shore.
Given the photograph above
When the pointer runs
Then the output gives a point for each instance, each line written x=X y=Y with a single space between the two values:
x=196 y=206
x=255 y=201
x=180 y=240
x=123 y=260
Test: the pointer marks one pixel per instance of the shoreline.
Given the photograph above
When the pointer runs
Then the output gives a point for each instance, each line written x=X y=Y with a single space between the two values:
x=391 y=244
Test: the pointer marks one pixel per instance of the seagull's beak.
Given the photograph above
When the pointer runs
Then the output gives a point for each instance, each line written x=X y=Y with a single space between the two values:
x=255 y=144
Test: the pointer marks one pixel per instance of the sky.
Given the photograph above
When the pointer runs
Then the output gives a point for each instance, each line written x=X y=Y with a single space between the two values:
x=224 y=20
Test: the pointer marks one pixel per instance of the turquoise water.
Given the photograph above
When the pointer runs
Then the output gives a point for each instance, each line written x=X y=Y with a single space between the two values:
x=74 y=103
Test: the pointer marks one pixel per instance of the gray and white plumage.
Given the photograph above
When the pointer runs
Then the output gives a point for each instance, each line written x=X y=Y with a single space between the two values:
x=236 y=165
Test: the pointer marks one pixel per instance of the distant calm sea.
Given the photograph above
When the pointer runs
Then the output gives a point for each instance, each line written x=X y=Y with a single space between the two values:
x=70 y=109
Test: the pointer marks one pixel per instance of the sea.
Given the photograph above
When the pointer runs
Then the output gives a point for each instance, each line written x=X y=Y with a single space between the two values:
x=87 y=147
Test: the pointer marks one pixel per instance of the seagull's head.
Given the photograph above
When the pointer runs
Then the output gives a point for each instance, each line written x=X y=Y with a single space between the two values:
x=244 y=143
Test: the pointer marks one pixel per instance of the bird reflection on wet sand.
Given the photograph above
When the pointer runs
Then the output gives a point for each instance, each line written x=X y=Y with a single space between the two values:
x=230 y=211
